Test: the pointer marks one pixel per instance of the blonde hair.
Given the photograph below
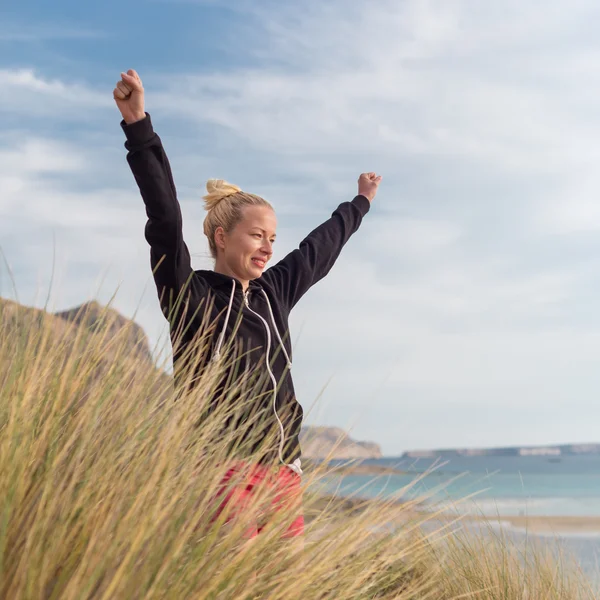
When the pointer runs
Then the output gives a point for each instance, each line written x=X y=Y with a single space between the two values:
x=225 y=203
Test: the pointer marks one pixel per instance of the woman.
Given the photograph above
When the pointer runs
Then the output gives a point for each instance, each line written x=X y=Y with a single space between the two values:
x=250 y=303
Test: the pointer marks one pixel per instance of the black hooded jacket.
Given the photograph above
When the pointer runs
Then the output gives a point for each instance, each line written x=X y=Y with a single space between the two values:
x=257 y=318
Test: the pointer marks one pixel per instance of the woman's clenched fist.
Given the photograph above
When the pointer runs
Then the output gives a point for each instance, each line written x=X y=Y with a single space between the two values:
x=129 y=96
x=368 y=183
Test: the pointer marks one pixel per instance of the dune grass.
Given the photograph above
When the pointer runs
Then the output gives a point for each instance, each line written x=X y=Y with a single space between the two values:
x=107 y=484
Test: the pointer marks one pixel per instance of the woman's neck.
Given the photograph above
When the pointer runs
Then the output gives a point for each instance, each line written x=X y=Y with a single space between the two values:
x=223 y=269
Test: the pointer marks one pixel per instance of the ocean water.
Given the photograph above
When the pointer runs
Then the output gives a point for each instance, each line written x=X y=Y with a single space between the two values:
x=495 y=486
x=508 y=485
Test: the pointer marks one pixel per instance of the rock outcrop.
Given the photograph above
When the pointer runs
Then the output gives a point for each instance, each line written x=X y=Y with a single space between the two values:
x=94 y=317
x=334 y=443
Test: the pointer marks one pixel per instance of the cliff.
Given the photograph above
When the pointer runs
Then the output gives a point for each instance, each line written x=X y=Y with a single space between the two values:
x=94 y=316
x=334 y=443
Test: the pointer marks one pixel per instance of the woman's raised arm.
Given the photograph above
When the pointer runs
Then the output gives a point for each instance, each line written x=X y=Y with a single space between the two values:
x=297 y=272
x=169 y=255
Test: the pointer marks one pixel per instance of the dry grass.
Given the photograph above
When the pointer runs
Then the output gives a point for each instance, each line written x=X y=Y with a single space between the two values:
x=106 y=480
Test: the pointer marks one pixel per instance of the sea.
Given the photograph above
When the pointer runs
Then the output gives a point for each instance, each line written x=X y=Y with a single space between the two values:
x=552 y=486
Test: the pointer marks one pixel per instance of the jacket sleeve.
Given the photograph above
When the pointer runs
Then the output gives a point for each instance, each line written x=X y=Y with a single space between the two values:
x=169 y=255
x=313 y=259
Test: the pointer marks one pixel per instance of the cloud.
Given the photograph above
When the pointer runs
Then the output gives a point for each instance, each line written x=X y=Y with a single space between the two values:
x=27 y=93
x=468 y=295
x=572 y=210
x=39 y=156
x=422 y=85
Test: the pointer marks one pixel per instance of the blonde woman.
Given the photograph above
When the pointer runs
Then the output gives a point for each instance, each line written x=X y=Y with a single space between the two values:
x=251 y=301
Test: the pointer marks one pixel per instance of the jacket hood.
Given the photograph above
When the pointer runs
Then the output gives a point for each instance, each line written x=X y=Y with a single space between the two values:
x=218 y=280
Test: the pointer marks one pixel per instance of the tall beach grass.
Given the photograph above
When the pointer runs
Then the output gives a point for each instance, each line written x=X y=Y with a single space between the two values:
x=107 y=484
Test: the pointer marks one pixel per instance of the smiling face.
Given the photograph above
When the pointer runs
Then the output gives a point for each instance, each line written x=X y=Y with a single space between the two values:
x=244 y=251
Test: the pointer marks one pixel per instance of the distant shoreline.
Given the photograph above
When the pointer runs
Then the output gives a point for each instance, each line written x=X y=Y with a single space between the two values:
x=550 y=452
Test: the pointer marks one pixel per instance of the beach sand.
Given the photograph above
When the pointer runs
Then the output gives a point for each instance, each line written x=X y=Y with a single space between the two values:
x=550 y=525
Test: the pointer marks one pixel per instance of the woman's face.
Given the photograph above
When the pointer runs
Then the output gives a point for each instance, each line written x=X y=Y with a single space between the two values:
x=248 y=247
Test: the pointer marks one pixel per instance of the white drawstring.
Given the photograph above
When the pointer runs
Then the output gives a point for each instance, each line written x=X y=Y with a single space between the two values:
x=289 y=362
x=217 y=352
x=296 y=465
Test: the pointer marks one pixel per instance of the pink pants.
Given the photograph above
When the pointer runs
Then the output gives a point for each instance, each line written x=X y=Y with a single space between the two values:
x=283 y=493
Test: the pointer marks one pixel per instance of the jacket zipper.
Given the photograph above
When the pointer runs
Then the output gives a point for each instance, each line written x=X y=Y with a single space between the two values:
x=271 y=375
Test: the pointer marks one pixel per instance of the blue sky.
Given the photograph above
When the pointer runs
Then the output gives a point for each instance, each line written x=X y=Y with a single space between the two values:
x=465 y=310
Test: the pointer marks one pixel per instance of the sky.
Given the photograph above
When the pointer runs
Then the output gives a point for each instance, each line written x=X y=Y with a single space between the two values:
x=463 y=313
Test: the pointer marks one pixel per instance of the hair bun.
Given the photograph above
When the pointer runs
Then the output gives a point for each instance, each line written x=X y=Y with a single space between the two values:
x=217 y=190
